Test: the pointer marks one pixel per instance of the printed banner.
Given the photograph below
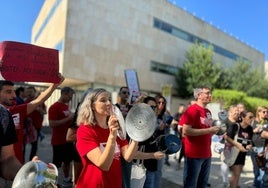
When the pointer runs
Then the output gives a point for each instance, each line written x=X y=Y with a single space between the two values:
x=21 y=62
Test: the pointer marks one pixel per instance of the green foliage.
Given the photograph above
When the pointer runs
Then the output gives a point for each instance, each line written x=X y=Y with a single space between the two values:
x=228 y=97
x=255 y=102
x=232 y=97
x=199 y=68
x=181 y=84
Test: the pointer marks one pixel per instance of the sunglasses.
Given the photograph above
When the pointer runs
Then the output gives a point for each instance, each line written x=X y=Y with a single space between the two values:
x=125 y=92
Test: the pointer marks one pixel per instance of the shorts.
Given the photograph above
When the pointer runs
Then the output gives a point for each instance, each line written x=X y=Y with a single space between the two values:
x=63 y=154
x=241 y=158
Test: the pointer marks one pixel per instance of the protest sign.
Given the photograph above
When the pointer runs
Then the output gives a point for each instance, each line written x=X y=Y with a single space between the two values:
x=21 y=62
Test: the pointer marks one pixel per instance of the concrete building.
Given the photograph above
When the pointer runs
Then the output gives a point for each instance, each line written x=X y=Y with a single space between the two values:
x=99 y=40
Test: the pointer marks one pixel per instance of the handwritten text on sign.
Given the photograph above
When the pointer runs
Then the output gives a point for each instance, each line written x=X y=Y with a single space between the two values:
x=28 y=63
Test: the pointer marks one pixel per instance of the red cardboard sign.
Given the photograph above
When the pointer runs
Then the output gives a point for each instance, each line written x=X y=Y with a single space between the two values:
x=21 y=62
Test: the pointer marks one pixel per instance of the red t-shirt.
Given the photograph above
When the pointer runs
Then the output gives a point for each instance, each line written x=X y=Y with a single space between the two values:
x=59 y=111
x=89 y=138
x=19 y=113
x=198 y=118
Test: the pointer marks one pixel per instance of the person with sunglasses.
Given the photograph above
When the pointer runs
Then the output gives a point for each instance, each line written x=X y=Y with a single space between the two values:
x=124 y=107
x=153 y=169
x=258 y=142
x=243 y=143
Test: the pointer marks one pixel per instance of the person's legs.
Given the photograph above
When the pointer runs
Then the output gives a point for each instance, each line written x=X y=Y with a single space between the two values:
x=158 y=176
x=167 y=160
x=67 y=156
x=66 y=170
x=234 y=179
x=33 y=149
x=204 y=173
x=265 y=177
x=225 y=173
x=57 y=156
x=126 y=173
x=150 y=179
x=256 y=170
x=191 y=172
x=181 y=154
x=77 y=168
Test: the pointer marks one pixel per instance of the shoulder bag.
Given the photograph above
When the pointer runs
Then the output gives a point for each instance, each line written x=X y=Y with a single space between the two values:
x=230 y=152
x=260 y=158
x=138 y=173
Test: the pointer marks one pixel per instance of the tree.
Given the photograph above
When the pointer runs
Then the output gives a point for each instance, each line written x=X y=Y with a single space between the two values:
x=198 y=69
x=182 y=84
x=251 y=81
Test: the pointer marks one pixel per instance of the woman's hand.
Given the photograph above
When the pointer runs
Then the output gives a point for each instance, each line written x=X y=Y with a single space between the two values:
x=113 y=125
x=158 y=155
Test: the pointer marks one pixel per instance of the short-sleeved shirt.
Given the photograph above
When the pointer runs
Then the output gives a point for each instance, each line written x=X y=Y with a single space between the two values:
x=257 y=140
x=244 y=137
x=199 y=118
x=59 y=111
x=88 y=138
x=19 y=113
x=244 y=134
x=7 y=128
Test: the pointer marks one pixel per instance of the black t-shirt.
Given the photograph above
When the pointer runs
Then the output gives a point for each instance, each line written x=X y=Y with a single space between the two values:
x=7 y=128
x=244 y=134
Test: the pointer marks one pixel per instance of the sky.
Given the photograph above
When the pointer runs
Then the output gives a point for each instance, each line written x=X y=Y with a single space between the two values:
x=242 y=19
x=245 y=20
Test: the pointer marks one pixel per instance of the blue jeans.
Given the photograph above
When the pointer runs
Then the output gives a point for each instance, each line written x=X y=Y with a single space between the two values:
x=265 y=177
x=154 y=178
x=126 y=173
x=258 y=173
x=196 y=172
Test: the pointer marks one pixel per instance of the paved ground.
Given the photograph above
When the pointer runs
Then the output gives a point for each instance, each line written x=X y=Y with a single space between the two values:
x=172 y=176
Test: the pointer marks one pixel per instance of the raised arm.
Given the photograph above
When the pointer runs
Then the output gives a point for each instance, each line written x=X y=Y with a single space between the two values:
x=31 y=106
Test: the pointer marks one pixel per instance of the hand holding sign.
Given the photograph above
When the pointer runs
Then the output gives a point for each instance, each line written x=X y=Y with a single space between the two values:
x=26 y=62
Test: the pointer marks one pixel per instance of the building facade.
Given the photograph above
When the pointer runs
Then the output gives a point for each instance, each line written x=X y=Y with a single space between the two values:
x=99 y=40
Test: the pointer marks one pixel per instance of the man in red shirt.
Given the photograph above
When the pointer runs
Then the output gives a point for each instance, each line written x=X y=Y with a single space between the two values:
x=60 y=117
x=197 y=130
x=19 y=112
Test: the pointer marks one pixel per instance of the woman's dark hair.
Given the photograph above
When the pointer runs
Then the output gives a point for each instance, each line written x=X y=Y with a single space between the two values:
x=148 y=98
x=157 y=98
x=243 y=114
